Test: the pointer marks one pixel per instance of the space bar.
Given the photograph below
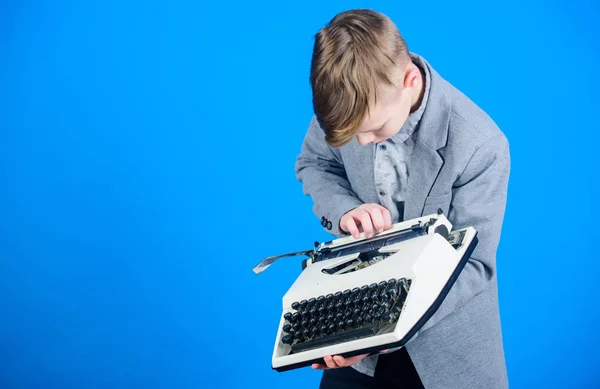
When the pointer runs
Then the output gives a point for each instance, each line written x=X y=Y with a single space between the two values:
x=337 y=338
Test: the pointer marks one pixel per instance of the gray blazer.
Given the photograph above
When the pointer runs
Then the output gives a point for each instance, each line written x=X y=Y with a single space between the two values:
x=460 y=164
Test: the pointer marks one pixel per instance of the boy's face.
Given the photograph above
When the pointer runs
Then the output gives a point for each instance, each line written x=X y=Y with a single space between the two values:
x=388 y=116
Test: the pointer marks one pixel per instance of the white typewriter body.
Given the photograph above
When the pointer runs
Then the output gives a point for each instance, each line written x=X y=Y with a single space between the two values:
x=425 y=253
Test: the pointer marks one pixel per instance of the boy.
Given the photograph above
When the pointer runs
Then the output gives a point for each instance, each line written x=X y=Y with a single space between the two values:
x=391 y=140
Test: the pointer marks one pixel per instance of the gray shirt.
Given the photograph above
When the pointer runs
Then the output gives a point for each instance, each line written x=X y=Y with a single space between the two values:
x=392 y=156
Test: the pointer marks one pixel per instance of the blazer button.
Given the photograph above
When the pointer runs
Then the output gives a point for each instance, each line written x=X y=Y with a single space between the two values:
x=323 y=221
x=329 y=225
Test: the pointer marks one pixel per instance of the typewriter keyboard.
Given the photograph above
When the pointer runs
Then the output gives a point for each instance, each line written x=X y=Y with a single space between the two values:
x=345 y=315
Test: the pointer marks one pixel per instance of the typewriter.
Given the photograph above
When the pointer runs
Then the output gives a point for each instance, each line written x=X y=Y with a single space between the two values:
x=361 y=296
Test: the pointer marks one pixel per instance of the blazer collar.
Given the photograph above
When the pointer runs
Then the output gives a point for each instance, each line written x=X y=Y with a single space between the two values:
x=433 y=126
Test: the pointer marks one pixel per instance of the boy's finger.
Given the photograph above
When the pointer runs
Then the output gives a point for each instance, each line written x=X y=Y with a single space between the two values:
x=352 y=228
x=377 y=218
x=387 y=218
x=367 y=226
x=330 y=362
x=318 y=366
x=339 y=360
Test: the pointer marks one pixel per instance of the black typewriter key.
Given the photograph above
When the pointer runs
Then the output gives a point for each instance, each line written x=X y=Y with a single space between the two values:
x=359 y=321
x=386 y=317
x=384 y=306
x=297 y=335
x=368 y=318
x=346 y=293
x=304 y=314
x=355 y=291
x=330 y=316
x=287 y=328
x=295 y=305
x=337 y=295
x=382 y=284
x=313 y=310
x=349 y=323
x=364 y=288
x=322 y=309
x=320 y=299
x=292 y=333
x=383 y=296
x=288 y=316
x=341 y=324
x=295 y=317
x=312 y=321
x=392 y=282
x=304 y=323
x=329 y=297
x=374 y=295
x=393 y=292
x=306 y=332
x=323 y=329
x=339 y=304
x=303 y=304
x=287 y=339
x=311 y=301
x=373 y=286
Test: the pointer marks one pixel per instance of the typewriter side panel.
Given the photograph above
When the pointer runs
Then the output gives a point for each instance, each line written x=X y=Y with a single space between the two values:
x=407 y=328
x=433 y=268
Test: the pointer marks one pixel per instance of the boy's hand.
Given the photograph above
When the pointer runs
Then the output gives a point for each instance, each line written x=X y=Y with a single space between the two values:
x=337 y=361
x=368 y=218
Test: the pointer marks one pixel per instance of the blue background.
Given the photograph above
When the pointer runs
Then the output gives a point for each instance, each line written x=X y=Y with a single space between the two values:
x=146 y=164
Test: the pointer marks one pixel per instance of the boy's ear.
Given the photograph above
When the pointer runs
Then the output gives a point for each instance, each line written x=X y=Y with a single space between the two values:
x=411 y=76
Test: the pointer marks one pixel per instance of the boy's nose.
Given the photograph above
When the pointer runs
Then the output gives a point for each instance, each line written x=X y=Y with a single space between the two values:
x=364 y=139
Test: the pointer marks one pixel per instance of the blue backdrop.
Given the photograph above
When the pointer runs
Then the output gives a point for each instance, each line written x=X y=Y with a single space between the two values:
x=146 y=164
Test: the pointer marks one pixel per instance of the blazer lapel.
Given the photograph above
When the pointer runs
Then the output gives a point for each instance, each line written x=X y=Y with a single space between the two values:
x=432 y=135
x=423 y=169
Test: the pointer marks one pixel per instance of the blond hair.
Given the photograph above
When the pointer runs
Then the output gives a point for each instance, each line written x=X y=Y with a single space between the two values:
x=353 y=56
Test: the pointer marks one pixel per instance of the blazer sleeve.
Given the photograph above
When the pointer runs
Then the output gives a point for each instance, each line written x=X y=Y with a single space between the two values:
x=320 y=169
x=478 y=200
